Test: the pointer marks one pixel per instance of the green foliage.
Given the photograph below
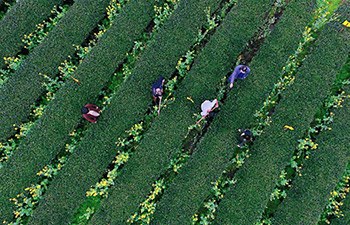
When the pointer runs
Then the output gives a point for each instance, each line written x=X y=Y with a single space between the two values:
x=181 y=110
x=13 y=28
x=333 y=208
x=5 y=6
x=300 y=101
x=35 y=38
x=126 y=108
x=22 y=164
x=147 y=207
x=320 y=174
x=26 y=201
x=16 y=95
x=214 y=152
x=338 y=209
x=126 y=146
x=165 y=152
x=8 y=147
x=114 y=55
x=67 y=68
x=193 y=79
x=86 y=211
x=31 y=41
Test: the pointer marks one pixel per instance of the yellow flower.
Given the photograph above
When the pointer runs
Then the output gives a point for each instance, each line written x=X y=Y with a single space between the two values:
x=190 y=99
x=288 y=127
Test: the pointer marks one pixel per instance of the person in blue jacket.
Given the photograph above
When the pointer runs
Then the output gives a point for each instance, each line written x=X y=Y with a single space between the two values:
x=240 y=72
x=157 y=89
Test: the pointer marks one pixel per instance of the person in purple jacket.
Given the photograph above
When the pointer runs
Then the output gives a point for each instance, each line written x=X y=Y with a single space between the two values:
x=240 y=72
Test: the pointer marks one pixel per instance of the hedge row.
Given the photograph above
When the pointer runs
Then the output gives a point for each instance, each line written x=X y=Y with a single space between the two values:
x=92 y=156
x=212 y=154
x=167 y=133
x=345 y=208
x=245 y=202
x=310 y=192
x=17 y=96
x=49 y=135
x=20 y=20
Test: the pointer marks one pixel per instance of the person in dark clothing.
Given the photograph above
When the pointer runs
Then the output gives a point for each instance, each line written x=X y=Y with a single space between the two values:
x=157 y=88
x=157 y=91
x=245 y=136
x=91 y=112
x=240 y=72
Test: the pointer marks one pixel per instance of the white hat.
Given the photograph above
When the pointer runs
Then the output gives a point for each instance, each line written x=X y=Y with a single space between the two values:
x=207 y=106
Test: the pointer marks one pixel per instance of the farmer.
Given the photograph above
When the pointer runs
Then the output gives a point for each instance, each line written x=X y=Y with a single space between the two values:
x=207 y=108
x=245 y=137
x=91 y=112
x=157 y=91
x=240 y=72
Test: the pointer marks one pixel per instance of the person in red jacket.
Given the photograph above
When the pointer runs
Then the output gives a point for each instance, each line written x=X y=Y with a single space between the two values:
x=91 y=112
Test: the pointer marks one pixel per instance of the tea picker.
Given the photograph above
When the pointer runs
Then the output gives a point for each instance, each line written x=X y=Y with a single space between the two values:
x=245 y=136
x=240 y=72
x=208 y=106
x=157 y=91
x=91 y=112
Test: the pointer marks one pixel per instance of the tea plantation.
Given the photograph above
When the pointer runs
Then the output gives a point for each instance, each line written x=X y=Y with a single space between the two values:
x=149 y=163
